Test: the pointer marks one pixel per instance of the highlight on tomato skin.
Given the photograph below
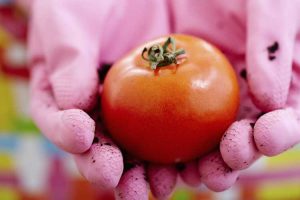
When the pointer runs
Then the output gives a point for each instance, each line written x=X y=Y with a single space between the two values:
x=170 y=100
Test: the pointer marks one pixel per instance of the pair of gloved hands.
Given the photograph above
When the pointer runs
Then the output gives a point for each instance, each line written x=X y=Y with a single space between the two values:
x=69 y=40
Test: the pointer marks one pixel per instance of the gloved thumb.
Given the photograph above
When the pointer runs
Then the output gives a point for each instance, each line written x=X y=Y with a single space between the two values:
x=71 y=50
x=271 y=33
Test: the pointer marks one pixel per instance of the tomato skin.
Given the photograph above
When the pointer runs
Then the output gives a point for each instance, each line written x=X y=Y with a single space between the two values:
x=173 y=113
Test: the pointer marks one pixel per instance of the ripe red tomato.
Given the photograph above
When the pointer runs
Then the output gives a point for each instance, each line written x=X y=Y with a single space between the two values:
x=175 y=112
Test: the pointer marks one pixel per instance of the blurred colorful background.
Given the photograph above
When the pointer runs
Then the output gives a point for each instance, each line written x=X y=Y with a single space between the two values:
x=31 y=168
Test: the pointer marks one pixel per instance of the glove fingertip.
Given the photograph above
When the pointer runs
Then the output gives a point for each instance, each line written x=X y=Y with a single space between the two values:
x=215 y=174
x=189 y=173
x=77 y=130
x=237 y=146
x=276 y=131
x=102 y=165
x=133 y=184
x=162 y=180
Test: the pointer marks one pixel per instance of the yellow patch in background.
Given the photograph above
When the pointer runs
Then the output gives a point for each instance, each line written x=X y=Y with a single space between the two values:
x=7 y=109
x=287 y=159
x=6 y=163
x=8 y=193
x=286 y=190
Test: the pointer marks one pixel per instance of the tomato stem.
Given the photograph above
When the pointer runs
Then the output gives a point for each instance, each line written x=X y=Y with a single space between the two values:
x=162 y=55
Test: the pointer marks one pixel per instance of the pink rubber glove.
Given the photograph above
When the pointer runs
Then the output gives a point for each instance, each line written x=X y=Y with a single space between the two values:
x=61 y=38
x=261 y=38
x=68 y=41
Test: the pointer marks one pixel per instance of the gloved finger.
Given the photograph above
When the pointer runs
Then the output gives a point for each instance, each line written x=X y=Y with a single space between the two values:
x=189 y=173
x=102 y=164
x=271 y=34
x=72 y=130
x=162 y=180
x=277 y=131
x=133 y=184
x=237 y=146
x=215 y=174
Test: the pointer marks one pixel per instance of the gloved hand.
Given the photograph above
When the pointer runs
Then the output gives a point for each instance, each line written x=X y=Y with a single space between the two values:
x=261 y=38
x=68 y=41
